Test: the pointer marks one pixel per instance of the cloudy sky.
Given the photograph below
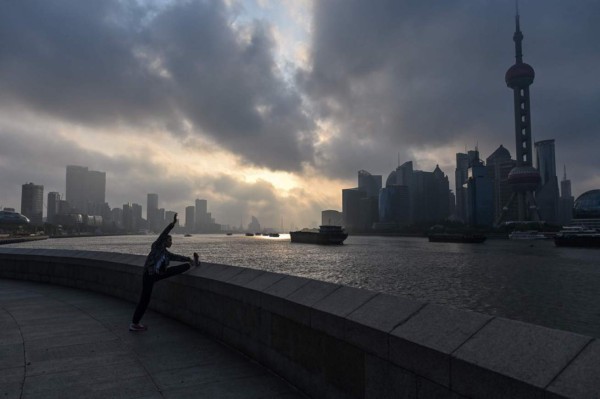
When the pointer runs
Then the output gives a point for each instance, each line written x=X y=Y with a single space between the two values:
x=269 y=108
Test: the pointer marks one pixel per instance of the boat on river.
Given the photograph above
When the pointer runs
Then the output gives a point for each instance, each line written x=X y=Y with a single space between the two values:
x=467 y=238
x=527 y=235
x=324 y=235
x=577 y=236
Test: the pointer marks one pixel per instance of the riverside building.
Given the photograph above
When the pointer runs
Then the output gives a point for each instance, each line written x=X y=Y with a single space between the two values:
x=32 y=203
x=85 y=190
x=547 y=194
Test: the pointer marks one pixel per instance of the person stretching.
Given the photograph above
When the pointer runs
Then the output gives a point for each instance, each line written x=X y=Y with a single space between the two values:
x=155 y=269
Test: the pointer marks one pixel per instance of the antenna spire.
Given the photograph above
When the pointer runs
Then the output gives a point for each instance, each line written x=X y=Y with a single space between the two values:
x=518 y=36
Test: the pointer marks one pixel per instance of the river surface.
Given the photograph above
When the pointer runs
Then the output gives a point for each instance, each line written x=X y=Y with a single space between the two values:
x=532 y=281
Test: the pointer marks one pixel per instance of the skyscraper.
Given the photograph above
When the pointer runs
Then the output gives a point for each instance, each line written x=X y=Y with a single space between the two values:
x=547 y=194
x=480 y=195
x=151 y=212
x=394 y=203
x=127 y=217
x=460 y=179
x=566 y=200
x=96 y=192
x=201 y=215
x=405 y=176
x=394 y=206
x=85 y=189
x=430 y=192
x=190 y=218
x=498 y=165
x=565 y=185
x=351 y=208
x=32 y=202
x=52 y=206
x=523 y=178
x=370 y=184
x=75 y=187
x=136 y=212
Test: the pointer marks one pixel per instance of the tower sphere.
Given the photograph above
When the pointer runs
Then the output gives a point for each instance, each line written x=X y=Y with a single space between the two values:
x=519 y=75
x=524 y=178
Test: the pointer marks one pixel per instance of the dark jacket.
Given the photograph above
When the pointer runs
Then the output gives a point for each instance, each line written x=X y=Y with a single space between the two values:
x=158 y=258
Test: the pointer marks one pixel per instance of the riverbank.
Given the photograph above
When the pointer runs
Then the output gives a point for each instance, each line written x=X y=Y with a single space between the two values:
x=17 y=240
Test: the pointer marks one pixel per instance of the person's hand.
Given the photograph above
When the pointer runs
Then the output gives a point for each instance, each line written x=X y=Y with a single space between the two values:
x=175 y=218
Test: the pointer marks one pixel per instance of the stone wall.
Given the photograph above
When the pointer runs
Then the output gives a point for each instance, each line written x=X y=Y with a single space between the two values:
x=334 y=341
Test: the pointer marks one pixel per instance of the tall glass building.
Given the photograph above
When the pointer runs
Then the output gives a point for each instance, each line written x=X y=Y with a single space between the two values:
x=545 y=160
x=52 y=206
x=32 y=202
x=368 y=183
x=394 y=205
x=85 y=189
x=151 y=212
x=547 y=195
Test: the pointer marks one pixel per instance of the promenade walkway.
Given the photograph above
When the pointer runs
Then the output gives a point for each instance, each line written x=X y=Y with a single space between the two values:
x=58 y=342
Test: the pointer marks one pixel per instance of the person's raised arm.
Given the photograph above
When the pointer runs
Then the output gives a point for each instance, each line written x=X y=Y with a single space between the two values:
x=163 y=236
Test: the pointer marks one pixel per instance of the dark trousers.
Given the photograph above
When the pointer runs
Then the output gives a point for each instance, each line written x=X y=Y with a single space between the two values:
x=147 y=285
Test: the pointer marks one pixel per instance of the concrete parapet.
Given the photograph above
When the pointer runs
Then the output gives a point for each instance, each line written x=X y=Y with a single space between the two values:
x=333 y=341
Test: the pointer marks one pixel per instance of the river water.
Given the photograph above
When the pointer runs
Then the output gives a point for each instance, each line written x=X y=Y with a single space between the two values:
x=532 y=281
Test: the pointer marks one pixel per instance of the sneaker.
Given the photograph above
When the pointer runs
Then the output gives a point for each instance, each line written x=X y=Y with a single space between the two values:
x=137 y=327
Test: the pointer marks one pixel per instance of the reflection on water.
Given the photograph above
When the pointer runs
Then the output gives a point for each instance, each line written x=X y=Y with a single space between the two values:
x=530 y=281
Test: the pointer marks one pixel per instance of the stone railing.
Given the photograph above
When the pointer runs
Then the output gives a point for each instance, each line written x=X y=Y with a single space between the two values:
x=334 y=341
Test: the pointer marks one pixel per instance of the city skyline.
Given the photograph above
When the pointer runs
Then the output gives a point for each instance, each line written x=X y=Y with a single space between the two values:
x=317 y=98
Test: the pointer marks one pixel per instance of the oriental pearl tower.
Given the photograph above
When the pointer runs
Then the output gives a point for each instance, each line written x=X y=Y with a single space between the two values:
x=523 y=178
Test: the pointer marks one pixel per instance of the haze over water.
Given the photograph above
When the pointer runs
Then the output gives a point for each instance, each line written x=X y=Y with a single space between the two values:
x=530 y=281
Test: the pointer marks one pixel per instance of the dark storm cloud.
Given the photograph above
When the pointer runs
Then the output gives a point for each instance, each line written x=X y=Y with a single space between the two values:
x=110 y=63
x=397 y=75
x=75 y=60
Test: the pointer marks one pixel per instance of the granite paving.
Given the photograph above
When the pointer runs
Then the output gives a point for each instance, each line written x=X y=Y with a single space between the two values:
x=59 y=342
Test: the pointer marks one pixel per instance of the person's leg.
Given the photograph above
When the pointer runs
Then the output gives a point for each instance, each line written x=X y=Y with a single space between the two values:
x=147 y=284
x=171 y=271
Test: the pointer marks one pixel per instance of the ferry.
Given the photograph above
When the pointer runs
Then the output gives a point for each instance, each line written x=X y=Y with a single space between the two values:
x=577 y=236
x=325 y=235
x=527 y=235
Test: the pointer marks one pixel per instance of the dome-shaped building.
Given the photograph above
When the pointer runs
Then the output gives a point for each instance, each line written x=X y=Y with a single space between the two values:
x=587 y=205
x=12 y=220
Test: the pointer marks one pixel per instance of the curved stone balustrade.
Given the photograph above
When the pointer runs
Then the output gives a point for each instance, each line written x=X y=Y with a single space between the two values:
x=334 y=341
